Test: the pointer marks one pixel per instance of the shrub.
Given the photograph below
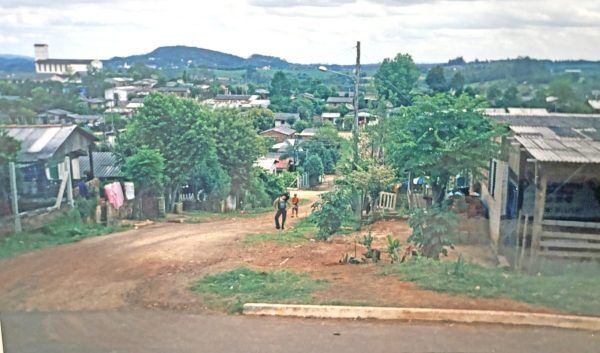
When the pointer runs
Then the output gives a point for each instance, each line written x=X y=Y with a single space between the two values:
x=331 y=212
x=432 y=230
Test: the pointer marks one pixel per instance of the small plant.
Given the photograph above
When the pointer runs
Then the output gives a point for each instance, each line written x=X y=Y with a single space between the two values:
x=460 y=268
x=373 y=254
x=393 y=247
x=432 y=230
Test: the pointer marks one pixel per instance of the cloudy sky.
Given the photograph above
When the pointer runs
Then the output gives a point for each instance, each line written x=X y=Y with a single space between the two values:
x=307 y=31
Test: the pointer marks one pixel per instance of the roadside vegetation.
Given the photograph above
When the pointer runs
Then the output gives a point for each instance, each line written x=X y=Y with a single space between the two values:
x=300 y=233
x=231 y=289
x=66 y=229
x=573 y=288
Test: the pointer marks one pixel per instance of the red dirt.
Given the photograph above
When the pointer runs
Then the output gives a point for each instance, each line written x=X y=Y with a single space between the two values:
x=155 y=266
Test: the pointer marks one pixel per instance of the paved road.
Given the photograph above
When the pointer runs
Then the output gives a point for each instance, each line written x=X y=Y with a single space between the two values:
x=166 y=331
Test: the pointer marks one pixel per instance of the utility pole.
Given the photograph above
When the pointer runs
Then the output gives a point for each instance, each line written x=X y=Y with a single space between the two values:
x=355 y=131
x=14 y=196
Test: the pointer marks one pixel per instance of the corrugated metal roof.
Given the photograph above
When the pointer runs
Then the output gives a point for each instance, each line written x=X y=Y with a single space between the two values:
x=282 y=130
x=40 y=142
x=105 y=165
x=348 y=100
x=546 y=145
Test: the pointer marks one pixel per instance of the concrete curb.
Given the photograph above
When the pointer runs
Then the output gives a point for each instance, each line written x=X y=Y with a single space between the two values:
x=420 y=314
x=1 y=343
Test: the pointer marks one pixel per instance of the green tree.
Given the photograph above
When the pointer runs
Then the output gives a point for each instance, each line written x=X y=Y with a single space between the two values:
x=237 y=146
x=396 y=78
x=494 y=95
x=262 y=119
x=457 y=83
x=510 y=97
x=436 y=80
x=314 y=168
x=280 y=85
x=179 y=129
x=146 y=168
x=441 y=136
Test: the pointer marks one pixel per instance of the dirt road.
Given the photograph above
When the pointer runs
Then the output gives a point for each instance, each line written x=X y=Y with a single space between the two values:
x=153 y=267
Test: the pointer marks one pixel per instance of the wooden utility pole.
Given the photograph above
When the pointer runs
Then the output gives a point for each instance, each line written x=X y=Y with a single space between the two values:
x=355 y=132
x=14 y=196
x=541 y=183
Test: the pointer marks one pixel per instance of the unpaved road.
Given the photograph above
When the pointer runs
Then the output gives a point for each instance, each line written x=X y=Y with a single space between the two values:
x=174 y=332
x=151 y=266
x=95 y=295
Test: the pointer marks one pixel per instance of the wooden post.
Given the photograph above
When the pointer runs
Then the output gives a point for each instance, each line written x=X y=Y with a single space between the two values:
x=538 y=211
x=14 y=196
x=516 y=259
x=69 y=182
x=523 y=242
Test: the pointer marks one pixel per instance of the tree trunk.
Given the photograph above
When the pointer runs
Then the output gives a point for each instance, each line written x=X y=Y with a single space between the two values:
x=439 y=190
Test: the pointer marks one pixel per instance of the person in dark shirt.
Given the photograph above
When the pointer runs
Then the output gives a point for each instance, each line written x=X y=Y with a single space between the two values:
x=281 y=204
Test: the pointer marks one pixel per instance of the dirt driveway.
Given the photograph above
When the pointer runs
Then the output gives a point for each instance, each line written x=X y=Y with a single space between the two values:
x=153 y=267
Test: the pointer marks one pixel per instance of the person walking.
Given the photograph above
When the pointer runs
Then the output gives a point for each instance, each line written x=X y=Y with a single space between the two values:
x=281 y=204
x=295 y=204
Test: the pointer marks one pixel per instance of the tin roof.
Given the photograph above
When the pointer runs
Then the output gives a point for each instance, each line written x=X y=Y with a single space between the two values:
x=105 y=165
x=551 y=144
x=282 y=130
x=41 y=142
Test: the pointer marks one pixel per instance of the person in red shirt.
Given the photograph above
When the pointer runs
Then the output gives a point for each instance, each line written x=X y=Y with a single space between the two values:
x=295 y=204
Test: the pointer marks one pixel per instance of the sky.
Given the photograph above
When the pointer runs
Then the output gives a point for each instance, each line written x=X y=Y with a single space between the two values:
x=307 y=31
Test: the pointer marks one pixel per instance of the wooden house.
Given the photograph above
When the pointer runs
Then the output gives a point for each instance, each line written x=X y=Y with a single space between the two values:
x=543 y=194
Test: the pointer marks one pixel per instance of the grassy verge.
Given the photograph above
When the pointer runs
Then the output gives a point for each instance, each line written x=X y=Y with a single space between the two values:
x=200 y=216
x=231 y=289
x=67 y=229
x=574 y=288
x=298 y=234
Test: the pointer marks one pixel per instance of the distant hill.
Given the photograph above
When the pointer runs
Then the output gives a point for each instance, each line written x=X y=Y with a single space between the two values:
x=16 y=63
x=177 y=57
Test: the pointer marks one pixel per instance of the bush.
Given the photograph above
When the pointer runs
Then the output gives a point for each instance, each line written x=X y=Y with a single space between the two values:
x=432 y=230
x=331 y=212
x=314 y=168
x=86 y=207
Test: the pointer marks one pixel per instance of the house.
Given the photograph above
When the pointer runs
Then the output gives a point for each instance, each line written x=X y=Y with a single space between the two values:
x=286 y=118
x=105 y=165
x=307 y=134
x=135 y=103
x=45 y=65
x=237 y=101
x=183 y=92
x=595 y=104
x=121 y=94
x=279 y=133
x=267 y=164
x=41 y=159
x=94 y=103
x=332 y=117
x=61 y=116
x=118 y=81
x=544 y=192
x=335 y=102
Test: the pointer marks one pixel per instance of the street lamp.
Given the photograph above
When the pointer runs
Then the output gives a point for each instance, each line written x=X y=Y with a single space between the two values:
x=356 y=80
x=356 y=157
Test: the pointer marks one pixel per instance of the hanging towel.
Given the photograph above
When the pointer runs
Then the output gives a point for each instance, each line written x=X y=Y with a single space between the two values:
x=114 y=194
x=129 y=190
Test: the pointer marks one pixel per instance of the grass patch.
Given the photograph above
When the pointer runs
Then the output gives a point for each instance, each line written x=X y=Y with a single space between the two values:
x=299 y=234
x=66 y=229
x=574 y=288
x=200 y=216
x=231 y=289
